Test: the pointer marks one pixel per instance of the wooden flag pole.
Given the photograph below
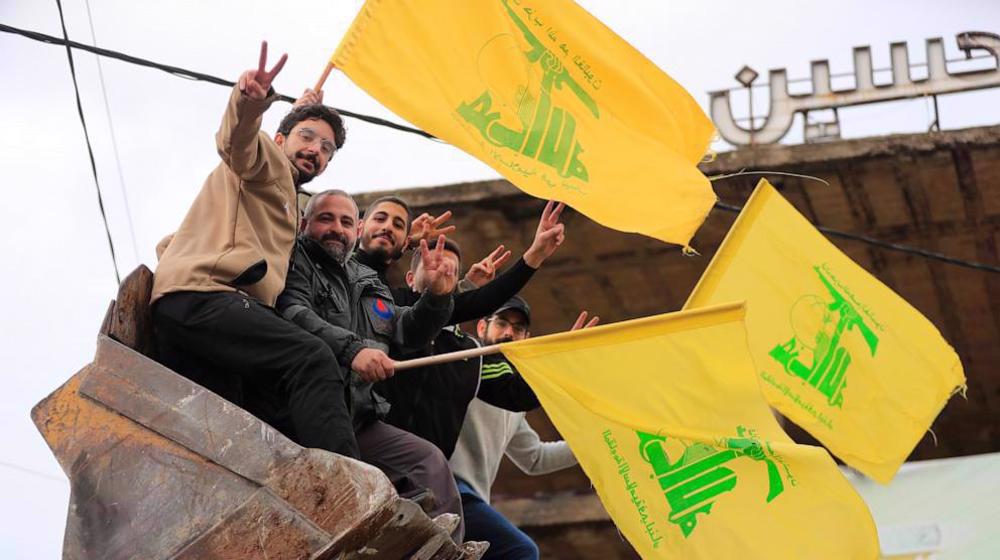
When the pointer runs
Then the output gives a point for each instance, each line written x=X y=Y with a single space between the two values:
x=322 y=79
x=449 y=357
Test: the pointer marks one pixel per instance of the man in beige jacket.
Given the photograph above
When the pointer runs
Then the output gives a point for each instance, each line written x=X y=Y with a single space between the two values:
x=219 y=275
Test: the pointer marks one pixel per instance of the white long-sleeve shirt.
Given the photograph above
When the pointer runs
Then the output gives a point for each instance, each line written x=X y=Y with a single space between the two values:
x=489 y=433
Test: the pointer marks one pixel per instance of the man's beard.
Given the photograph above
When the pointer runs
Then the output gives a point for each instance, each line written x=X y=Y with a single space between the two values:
x=381 y=254
x=501 y=340
x=339 y=253
x=306 y=176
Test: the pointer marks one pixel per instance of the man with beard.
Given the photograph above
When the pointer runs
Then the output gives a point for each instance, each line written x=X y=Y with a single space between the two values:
x=489 y=433
x=431 y=401
x=220 y=274
x=346 y=305
x=387 y=232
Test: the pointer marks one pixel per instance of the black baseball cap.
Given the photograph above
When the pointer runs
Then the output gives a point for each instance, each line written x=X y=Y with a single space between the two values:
x=516 y=303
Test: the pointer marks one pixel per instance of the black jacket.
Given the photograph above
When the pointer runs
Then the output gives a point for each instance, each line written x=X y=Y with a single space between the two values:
x=432 y=401
x=350 y=308
x=469 y=305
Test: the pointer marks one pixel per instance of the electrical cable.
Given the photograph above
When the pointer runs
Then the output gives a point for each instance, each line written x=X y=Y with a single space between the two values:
x=90 y=148
x=191 y=75
x=884 y=244
x=114 y=139
x=197 y=76
x=31 y=471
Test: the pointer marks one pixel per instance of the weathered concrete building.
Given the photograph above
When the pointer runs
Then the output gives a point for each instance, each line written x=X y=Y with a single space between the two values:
x=939 y=192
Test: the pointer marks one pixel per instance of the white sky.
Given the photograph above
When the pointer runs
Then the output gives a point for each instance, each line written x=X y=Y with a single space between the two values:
x=57 y=271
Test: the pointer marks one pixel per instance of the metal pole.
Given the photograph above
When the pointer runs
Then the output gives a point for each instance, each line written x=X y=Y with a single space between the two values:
x=936 y=125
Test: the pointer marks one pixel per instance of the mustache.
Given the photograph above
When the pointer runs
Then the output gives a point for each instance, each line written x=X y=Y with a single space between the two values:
x=308 y=156
x=385 y=233
x=332 y=235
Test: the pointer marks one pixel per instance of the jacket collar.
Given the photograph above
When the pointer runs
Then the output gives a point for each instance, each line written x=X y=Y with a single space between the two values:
x=380 y=267
x=357 y=271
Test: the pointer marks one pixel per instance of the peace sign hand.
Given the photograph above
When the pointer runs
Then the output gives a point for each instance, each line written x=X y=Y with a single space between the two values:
x=256 y=83
x=549 y=235
x=485 y=270
x=439 y=271
x=427 y=227
x=582 y=323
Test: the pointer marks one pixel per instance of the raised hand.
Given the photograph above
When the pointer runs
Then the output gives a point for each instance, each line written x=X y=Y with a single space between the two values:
x=373 y=365
x=256 y=83
x=427 y=227
x=309 y=97
x=581 y=319
x=549 y=235
x=484 y=271
x=439 y=271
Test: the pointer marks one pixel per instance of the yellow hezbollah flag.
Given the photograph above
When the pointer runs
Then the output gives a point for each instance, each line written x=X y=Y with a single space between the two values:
x=837 y=352
x=666 y=417
x=548 y=96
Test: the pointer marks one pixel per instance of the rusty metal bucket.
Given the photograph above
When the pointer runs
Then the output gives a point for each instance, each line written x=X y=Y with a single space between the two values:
x=160 y=467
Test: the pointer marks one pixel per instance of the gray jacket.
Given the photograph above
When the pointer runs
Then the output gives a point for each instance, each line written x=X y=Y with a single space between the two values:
x=350 y=309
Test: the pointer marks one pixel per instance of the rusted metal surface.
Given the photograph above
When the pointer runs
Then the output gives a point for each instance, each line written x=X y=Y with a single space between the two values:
x=160 y=467
x=130 y=321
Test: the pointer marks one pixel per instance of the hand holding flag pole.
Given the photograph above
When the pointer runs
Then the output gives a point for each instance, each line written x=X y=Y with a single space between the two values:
x=581 y=323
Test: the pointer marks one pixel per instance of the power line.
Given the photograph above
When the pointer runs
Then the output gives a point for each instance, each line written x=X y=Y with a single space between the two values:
x=884 y=244
x=198 y=76
x=114 y=139
x=90 y=149
x=191 y=74
x=31 y=471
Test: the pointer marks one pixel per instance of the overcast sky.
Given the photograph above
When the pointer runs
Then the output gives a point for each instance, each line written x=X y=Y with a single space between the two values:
x=58 y=275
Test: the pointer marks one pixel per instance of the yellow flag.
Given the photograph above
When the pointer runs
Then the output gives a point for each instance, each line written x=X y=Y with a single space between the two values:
x=836 y=351
x=548 y=96
x=667 y=420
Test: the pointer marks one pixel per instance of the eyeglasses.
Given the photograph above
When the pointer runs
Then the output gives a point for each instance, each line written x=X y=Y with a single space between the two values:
x=309 y=136
x=516 y=328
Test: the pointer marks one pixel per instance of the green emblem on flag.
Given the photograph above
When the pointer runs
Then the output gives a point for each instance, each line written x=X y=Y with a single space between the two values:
x=695 y=481
x=543 y=131
x=815 y=352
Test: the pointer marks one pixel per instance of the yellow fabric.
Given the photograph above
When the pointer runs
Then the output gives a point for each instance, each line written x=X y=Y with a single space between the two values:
x=837 y=352
x=548 y=96
x=666 y=417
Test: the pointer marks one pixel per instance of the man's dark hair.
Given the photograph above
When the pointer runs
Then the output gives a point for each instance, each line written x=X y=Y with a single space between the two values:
x=395 y=200
x=449 y=245
x=314 y=112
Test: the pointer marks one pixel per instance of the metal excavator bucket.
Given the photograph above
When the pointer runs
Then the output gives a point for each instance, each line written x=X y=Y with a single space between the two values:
x=160 y=467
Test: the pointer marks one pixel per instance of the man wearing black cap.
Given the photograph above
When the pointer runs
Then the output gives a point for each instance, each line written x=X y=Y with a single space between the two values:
x=489 y=433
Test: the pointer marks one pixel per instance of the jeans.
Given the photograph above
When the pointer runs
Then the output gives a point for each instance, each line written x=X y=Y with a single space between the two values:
x=483 y=523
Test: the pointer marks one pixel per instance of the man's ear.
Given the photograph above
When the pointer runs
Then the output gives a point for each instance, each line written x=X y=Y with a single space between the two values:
x=279 y=138
x=361 y=227
x=481 y=329
x=409 y=278
x=302 y=224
